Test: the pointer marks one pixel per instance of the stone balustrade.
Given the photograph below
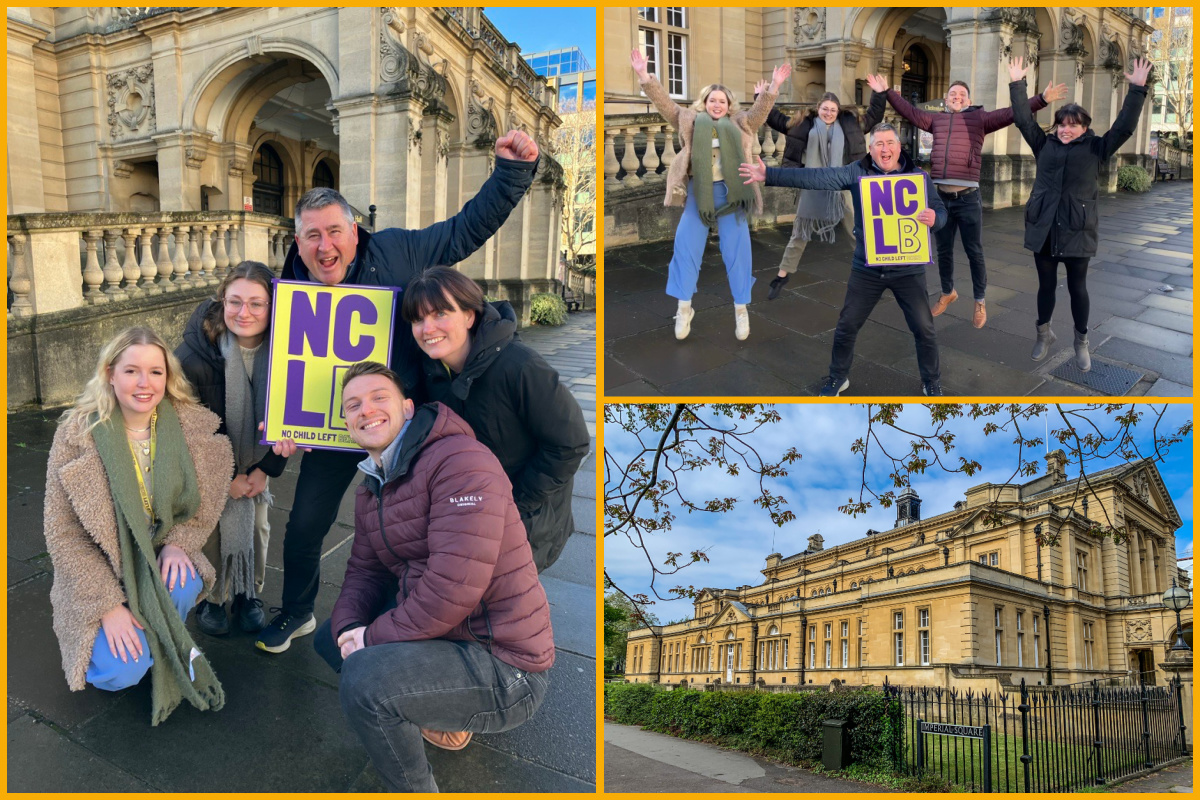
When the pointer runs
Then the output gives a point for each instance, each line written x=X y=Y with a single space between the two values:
x=58 y=261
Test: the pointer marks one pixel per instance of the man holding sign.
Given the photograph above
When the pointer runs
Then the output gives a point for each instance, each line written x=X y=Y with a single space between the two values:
x=330 y=249
x=901 y=201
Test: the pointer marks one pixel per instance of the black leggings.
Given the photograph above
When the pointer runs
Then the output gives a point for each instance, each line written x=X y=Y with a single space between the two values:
x=1047 y=270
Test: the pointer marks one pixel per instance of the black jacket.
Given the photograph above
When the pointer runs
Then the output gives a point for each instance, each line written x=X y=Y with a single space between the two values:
x=796 y=144
x=393 y=256
x=204 y=366
x=846 y=178
x=1062 y=210
x=516 y=405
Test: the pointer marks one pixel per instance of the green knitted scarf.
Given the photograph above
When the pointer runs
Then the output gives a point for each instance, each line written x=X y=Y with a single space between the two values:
x=180 y=670
x=741 y=196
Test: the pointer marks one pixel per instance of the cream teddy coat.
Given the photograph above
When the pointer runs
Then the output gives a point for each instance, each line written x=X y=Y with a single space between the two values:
x=81 y=529
x=684 y=120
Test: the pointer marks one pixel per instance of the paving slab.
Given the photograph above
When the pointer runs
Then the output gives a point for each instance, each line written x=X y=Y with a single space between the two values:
x=78 y=769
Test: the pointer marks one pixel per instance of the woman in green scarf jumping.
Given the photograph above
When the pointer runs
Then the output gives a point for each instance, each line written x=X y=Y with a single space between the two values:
x=714 y=137
x=136 y=481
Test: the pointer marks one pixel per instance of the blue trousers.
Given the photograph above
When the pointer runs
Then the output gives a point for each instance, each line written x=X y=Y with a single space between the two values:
x=109 y=672
x=692 y=235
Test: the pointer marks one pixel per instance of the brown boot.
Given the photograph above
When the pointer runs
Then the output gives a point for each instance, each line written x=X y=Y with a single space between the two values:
x=447 y=740
x=945 y=300
x=980 y=317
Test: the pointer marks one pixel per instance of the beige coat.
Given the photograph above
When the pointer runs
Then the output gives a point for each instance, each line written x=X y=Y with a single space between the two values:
x=81 y=529
x=684 y=120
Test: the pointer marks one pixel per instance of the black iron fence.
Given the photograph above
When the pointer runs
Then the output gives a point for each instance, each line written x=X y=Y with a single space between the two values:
x=1037 y=739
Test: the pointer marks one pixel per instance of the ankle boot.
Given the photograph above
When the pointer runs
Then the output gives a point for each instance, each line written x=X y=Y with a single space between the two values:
x=1083 y=359
x=1045 y=338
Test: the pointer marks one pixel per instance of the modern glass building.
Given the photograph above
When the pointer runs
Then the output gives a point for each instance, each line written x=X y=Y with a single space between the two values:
x=569 y=72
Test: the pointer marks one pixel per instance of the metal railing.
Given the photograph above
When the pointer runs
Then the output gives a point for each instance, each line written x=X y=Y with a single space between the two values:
x=1055 y=740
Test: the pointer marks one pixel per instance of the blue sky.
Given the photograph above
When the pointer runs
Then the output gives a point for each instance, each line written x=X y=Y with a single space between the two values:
x=547 y=27
x=738 y=542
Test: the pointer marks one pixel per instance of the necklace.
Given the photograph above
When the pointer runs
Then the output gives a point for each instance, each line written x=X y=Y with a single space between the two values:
x=137 y=430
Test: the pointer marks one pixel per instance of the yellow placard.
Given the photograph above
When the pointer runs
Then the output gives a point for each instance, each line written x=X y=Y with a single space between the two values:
x=317 y=332
x=891 y=233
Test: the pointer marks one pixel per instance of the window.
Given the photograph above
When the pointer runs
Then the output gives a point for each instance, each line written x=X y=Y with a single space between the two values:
x=990 y=559
x=812 y=655
x=323 y=175
x=828 y=630
x=676 y=59
x=1088 y=646
x=1081 y=571
x=845 y=653
x=1020 y=638
x=994 y=559
x=898 y=636
x=268 y=181
x=784 y=663
x=999 y=640
x=812 y=632
x=828 y=654
x=1037 y=643
x=648 y=43
x=648 y=14
x=666 y=47
x=676 y=17
x=923 y=635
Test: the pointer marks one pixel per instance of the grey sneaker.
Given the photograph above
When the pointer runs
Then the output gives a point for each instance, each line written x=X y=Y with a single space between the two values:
x=278 y=635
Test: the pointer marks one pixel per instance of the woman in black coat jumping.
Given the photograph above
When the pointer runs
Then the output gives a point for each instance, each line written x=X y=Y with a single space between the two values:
x=1061 y=218
x=826 y=134
x=508 y=394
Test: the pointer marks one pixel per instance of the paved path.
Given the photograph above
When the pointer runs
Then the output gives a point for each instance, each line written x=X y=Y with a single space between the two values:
x=282 y=728
x=1177 y=778
x=637 y=760
x=1136 y=325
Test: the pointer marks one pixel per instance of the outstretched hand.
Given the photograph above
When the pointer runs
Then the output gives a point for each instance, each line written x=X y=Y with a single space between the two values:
x=878 y=83
x=758 y=87
x=781 y=74
x=517 y=146
x=1052 y=92
x=640 y=66
x=754 y=173
x=1017 y=69
x=1141 y=71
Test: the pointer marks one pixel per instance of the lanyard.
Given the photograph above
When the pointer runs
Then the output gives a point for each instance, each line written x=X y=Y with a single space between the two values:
x=137 y=466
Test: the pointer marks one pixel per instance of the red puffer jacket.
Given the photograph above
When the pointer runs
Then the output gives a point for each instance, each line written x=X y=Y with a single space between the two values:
x=958 y=137
x=443 y=526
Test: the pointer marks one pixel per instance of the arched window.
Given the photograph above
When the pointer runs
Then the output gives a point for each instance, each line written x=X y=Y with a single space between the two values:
x=701 y=639
x=729 y=635
x=854 y=585
x=814 y=592
x=323 y=175
x=915 y=80
x=774 y=631
x=268 y=181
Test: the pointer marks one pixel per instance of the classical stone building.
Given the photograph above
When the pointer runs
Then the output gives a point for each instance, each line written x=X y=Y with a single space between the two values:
x=920 y=50
x=150 y=147
x=965 y=598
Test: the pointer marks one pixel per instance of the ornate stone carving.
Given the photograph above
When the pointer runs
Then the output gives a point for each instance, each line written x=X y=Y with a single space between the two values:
x=1070 y=30
x=809 y=25
x=1109 y=47
x=194 y=155
x=237 y=167
x=443 y=143
x=411 y=75
x=1141 y=484
x=481 y=124
x=122 y=169
x=852 y=57
x=1138 y=630
x=131 y=102
x=1024 y=19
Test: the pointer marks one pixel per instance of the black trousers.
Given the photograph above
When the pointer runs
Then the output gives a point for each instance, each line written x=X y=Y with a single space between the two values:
x=324 y=477
x=863 y=290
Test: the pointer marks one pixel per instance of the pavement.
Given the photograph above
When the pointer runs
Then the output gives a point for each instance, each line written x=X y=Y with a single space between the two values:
x=1140 y=285
x=1175 y=779
x=637 y=760
x=282 y=729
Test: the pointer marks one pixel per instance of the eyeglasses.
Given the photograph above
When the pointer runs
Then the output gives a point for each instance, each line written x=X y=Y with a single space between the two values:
x=257 y=307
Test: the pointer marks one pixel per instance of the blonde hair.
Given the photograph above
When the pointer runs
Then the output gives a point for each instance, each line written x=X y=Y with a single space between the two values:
x=716 y=87
x=97 y=402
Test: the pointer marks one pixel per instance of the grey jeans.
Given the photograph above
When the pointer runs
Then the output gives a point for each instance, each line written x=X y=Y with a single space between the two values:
x=390 y=691
x=796 y=246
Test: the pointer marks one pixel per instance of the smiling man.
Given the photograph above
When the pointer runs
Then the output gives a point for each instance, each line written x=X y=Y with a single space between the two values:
x=442 y=628
x=331 y=249
x=866 y=284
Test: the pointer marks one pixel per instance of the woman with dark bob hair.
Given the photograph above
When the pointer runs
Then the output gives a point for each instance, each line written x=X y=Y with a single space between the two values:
x=508 y=394
x=224 y=356
x=1062 y=221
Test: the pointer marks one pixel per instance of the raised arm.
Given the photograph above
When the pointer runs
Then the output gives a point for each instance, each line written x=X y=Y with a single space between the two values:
x=874 y=113
x=915 y=116
x=827 y=178
x=1022 y=115
x=757 y=115
x=1003 y=117
x=654 y=90
x=1126 y=122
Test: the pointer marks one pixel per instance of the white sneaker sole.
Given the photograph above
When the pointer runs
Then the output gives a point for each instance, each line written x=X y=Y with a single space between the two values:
x=303 y=630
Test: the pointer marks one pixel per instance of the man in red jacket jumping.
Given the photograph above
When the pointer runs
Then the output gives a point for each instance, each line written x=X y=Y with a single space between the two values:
x=442 y=627
x=958 y=134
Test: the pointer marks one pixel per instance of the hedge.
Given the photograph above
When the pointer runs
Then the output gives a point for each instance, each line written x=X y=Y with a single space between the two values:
x=547 y=309
x=787 y=726
x=1132 y=178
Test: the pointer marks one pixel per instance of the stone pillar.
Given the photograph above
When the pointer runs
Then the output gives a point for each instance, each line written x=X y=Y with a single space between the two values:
x=239 y=172
x=399 y=144
x=357 y=146
x=26 y=193
x=511 y=236
x=435 y=161
x=1178 y=663
x=475 y=165
x=179 y=159
x=841 y=66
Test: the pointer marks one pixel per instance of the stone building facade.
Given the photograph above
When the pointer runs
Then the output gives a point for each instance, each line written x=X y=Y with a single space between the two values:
x=967 y=598
x=149 y=147
x=920 y=50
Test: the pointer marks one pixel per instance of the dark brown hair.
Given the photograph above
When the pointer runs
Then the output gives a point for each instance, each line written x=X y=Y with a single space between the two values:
x=253 y=271
x=373 y=368
x=960 y=83
x=441 y=289
x=1072 y=114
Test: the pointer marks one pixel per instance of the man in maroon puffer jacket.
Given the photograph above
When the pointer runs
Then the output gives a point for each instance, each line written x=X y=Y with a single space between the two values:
x=442 y=627
x=958 y=134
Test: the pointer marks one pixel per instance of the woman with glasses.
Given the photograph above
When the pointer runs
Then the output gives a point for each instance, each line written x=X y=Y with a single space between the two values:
x=223 y=356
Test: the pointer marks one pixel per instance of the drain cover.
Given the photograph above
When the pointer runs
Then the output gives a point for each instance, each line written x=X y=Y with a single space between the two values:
x=1104 y=377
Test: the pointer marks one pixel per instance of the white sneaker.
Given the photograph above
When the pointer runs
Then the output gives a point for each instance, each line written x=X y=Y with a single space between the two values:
x=683 y=321
x=742 y=328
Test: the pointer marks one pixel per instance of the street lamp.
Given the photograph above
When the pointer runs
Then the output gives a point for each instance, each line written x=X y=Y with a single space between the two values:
x=1177 y=598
